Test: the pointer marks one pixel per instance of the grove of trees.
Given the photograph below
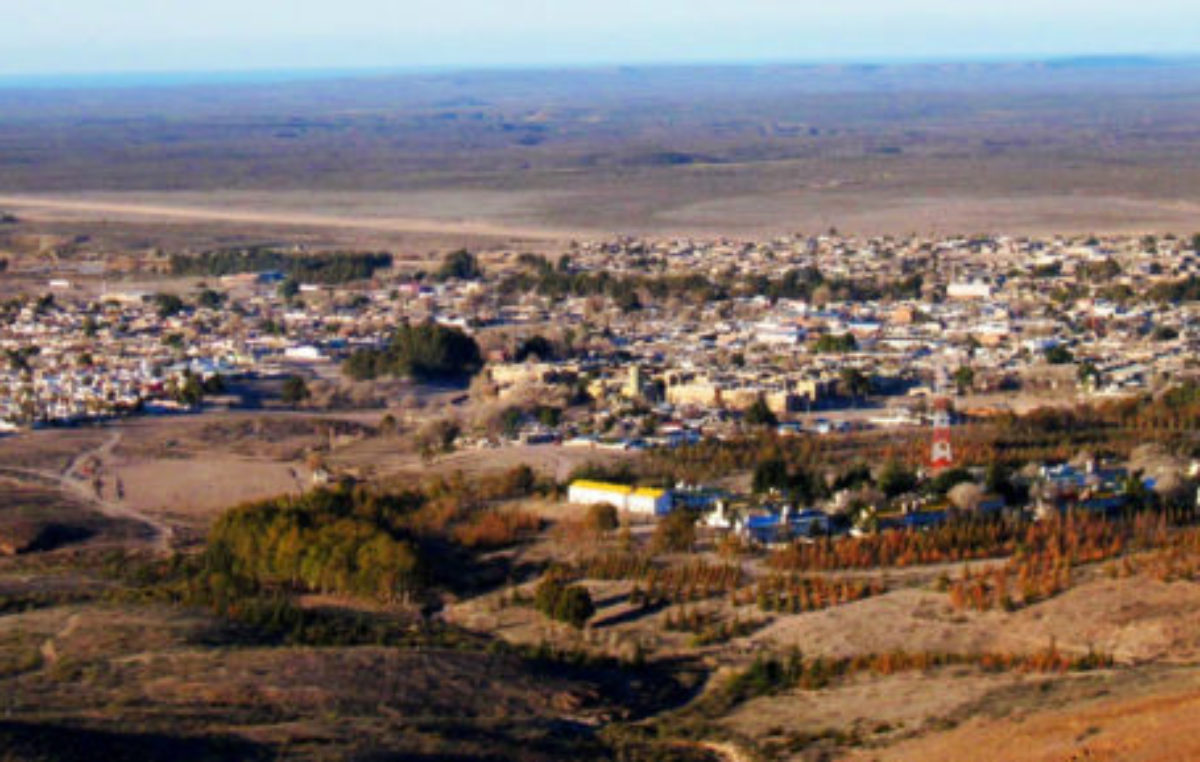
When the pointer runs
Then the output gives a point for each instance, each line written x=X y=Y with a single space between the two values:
x=328 y=268
x=426 y=351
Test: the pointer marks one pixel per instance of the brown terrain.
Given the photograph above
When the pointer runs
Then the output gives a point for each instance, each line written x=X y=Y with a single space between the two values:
x=89 y=665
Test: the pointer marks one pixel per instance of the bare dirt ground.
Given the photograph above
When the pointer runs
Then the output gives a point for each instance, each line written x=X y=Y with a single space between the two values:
x=1130 y=723
x=534 y=216
x=1136 y=620
x=225 y=208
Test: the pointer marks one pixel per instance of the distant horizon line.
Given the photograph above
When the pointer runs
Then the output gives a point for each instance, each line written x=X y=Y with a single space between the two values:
x=118 y=79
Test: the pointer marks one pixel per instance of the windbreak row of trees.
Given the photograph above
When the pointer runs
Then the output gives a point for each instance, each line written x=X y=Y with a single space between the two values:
x=810 y=284
x=625 y=291
x=797 y=283
x=329 y=268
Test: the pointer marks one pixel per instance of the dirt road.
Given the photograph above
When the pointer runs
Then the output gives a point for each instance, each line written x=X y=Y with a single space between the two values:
x=72 y=481
x=92 y=209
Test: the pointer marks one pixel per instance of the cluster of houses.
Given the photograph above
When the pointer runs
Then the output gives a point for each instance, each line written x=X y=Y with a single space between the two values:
x=1105 y=489
x=896 y=319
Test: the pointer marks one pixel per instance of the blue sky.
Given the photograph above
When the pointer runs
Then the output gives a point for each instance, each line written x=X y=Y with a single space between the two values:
x=92 y=36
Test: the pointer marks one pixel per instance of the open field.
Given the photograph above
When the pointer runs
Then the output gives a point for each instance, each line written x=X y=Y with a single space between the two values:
x=1056 y=147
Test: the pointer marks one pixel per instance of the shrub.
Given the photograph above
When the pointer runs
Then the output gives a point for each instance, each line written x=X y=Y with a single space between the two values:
x=565 y=603
x=602 y=517
x=676 y=532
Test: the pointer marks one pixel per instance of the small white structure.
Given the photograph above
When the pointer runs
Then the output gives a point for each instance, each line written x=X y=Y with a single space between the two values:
x=644 y=500
x=772 y=332
x=969 y=290
x=304 y=353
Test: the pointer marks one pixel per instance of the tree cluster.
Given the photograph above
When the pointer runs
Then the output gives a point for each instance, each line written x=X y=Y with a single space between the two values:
x=565 y=603
x=427 y=351
x=328 y=268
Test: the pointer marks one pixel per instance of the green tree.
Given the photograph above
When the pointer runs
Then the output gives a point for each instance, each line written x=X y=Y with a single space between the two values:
x=855 y=383
x=168 y=305
x=760 y=414
x=834 y=344
x=427 y=351
x=1089 y=374
x=289 y=289
x=210 y=299
x=575 y=606
x=535 y=347
x=189 y=390
x=1059 y=355
x=964 y=379
x=295 y=391
x=460 y=264
x=895 y=479
x=770 y=474
x=571 y=604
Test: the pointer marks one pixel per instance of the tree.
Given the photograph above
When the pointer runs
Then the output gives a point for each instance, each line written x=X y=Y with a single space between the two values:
x=168 y=305
x=210 y=299
x=964 y=379
x=571 y=604
x=575 y=606
x=855 y=383
x=214 y=384
x=760 y=414
x=428 y=351
x=511 y=419
x=1089 y=374
x=189 y=390
x=833 y=344
x=1165 y=333
x=770 y=474
x=1059 y=355
x=289 y=289
x=895 y=479
x=602 y=517
x=295 y=391
x=460 y=264
x=536 y=347
x=676 y=532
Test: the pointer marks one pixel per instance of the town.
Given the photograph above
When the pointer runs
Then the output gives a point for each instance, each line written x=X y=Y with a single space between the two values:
x=633 y=345
x=695 y=337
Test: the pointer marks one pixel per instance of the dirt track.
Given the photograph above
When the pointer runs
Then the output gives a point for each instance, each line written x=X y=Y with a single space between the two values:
x=138 y=212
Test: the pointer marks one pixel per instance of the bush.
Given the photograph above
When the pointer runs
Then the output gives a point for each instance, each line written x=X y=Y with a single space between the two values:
x=676 y=532
x=603 y=517
x=571 y=604
x=295 y=391
x=461 y=265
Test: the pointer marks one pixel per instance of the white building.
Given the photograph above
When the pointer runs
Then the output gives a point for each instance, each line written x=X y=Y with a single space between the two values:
x=773 y=332
x=973 y=290
x=644 y=500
